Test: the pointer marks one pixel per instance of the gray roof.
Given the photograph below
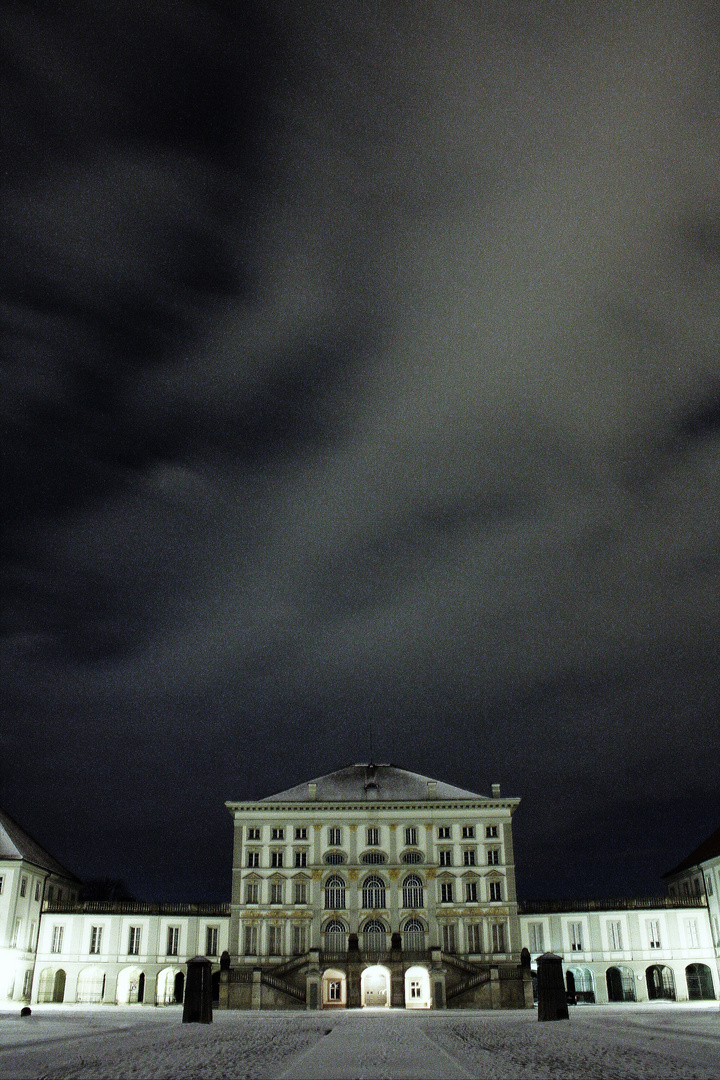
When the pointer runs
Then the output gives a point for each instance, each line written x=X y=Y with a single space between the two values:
x=15 y=843
x=372 y=783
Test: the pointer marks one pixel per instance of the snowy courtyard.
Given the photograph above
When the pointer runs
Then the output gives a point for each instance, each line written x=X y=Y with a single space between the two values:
x=657 y=1041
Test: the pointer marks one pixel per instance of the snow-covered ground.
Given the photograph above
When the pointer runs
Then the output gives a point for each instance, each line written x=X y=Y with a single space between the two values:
x=624 y=1041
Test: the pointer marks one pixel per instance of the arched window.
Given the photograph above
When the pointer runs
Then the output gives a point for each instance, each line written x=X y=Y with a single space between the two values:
x=412 y=892
x=413 y=936
x=335 y=936
x=376 y=857
x=373 y=936
x=374 y=893
x=334 y=893
x=412 y=857
x=335 y=858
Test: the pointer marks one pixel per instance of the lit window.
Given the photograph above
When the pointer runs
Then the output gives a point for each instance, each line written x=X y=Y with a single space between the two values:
x=173 y=940
x=496 y=890
x=411 y=837
x=334 y=990
x=468 y=858
x=57 y=939
x=134 y=941
x=415 y=988
x=96 y=939
x=445 y=856
x=373 y=837
x=468 y=832
x=446 y=892
x=334 y=893
x=471 y=892
x=301 y=834
x=251 y=892
x=211 y=941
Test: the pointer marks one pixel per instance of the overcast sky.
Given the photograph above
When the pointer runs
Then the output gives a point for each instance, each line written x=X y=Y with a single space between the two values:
x=361 y=369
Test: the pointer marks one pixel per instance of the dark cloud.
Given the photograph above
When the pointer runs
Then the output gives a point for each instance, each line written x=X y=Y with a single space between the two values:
x=360 y=371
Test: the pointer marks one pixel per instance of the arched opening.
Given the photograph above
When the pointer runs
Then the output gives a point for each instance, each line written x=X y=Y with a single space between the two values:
x=166 y=986
x=128 y=986
x=620 y=984
x=374 y=937
x=375 y=987
x=90 y=986
x=699 y=982
x=417 y=988
x=413 y=892
x=45 y=986
x=582 y=983
x=335 y=937
x=334 y=989
x=373 y=893
x=179 y=987
x=58 y=994
x=660 y=983
x=413 y=936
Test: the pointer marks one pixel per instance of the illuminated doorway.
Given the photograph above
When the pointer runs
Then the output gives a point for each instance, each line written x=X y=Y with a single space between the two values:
x=375 y=987
x=417 y=988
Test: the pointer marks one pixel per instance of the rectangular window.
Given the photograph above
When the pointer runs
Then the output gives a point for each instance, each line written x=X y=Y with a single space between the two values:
x=716 y=931
x=37 y=889
x=23 y=886
x=51 y=892
x=253 y=832
x=653 y=932
x=301 y=858
x=301 y=833
x=252 y=891
x=276 y=858
x=16 y=933
x=32 y=941
x=27 y=983
x=57 y=938
x=134 y=941
x=493 y=856
x=251 y=938
x=300 y=892
x=211 y=940
x=474 y=932
x=275 y=941
x=411 y=837
x=444 y=832
x=446 y=892
x=496 y=890
x=614 y=930
x=498 y=937
x=468 y=858
x=468 y=832
x=276 y=892
x=253 y=858
x=536 y=937
x=1 y=884
x=445 y=856
x=491 y=831
x=298 y=940
x=278 y=834
x=334 y=991
x=691 y=933
x=334 y=837
x=709 y=885
x=373 y=837
x=96 y=939
x=173 y=940
x=471 y=892
x=448 y=935
x=576 y=936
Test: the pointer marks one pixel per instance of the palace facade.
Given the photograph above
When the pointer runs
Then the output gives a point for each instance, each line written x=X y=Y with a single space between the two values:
x=371 y=886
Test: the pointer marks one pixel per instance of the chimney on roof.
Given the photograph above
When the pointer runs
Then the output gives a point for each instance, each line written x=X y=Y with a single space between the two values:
x=496 y=791
x=432 y=789
x=312 y=790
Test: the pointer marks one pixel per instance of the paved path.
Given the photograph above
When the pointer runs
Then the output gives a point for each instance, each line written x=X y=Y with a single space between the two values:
x=375 y=1046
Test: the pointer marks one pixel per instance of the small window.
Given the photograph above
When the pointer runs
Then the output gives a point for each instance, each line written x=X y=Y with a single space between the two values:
x=96 y=939
x=576 y=936
x=57 y=939
x=536 y=938
x=444 y=832
x=27 y=983
x=448 y=936
x=471 y=894
x=1 y=884
x=446 y=892
x=498 y=937
x=614 y=930
x=474 y=933
x=298 y=939
x=334 y=893
x=445 y=856
x=709 y=885
x=37 y=889
x=334 y=990
x=134 y=940
x=276 y=892
x=253 y=833
x=253 y=858
x=173 y=940
x=373 y=893
x=275 y=942
x=493 y=856
x=59 y=895
x=653 y=931
x=468 y=832
x=276 y=859
x=412 y=857
x=251 y=941
x=301 y=833
x=23 y=886
x=334 y=858
x=496 y=890
x=375 y=857
x=334 y=837
x=251 y=892
x=469 y=857
x=691 y=933
x=300 y=892
x=373 y=837
x=491 y=831
x=301 y=858
x=51 y=892
x=411 y=837
x=278 y=834
x=211 y=941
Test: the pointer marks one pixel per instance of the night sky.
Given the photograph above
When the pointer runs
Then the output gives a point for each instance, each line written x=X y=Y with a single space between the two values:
x=360 y=369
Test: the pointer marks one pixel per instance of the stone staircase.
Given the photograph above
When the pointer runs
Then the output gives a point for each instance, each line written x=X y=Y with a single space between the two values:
x=280 y=984
x=475 y=975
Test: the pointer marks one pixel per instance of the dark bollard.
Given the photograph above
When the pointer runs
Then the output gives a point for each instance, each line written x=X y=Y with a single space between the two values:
x=552 y=999
x=225 y=961
x=26 y=1011
x=198 y=992
x=525 y=959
